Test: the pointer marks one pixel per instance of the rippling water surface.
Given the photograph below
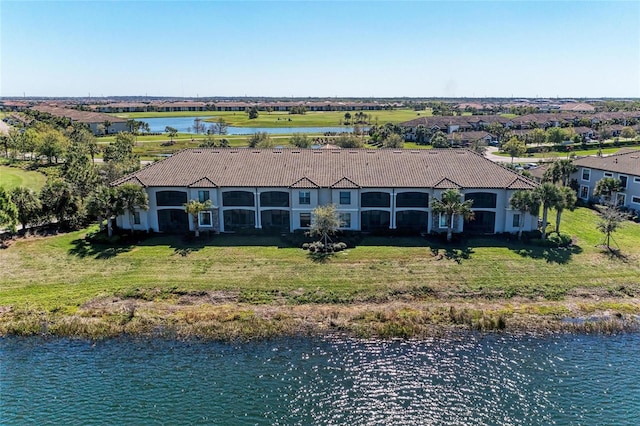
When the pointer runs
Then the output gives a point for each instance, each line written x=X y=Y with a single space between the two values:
x=469 y=379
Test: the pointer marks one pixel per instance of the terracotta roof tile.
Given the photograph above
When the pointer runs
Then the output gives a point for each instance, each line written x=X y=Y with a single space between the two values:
x=628 y=163
x=309 y=168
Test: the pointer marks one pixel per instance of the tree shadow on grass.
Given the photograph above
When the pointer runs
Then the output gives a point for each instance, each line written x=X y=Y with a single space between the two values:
x=451 y=253
x=186 y=245
x=614 y=254
x=83 y=247
x=319 y=257
x=559 y=255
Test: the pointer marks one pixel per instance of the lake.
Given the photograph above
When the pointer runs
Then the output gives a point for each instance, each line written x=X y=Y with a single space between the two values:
x=466 y=379
x=184 y=124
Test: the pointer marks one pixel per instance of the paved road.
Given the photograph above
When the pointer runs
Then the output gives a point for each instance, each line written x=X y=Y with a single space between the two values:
x=491 y=155
x=4 y=128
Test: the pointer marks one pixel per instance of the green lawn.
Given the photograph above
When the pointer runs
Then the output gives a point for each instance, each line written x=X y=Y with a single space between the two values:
x=284 y=119
x=584 y=152
x=11 y=177
x=65 y=271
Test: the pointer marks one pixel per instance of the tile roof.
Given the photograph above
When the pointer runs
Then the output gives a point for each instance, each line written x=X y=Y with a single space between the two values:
x=627 y=163
x=313 y=168
x=77 y=115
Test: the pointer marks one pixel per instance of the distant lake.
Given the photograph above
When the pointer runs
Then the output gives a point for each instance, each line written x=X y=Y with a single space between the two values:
x=185 y=124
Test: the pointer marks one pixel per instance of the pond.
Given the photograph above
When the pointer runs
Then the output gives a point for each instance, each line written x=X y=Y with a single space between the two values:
x=470 y=378
x=186 y=124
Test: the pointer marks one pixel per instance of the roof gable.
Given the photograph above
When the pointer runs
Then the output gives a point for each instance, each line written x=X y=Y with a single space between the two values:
x=521 y=183
x=130 y=180
x=305 y=183
x=345 y=183
x=446 y=183
x=204 y=182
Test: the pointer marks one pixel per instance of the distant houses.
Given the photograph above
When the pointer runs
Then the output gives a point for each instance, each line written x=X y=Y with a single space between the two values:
x=282 y=106
x=584 y=125
x=99 y=124
x=624 y=166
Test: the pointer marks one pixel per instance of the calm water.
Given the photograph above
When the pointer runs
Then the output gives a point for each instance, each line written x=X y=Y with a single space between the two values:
x=183 y=124
x=493 y=380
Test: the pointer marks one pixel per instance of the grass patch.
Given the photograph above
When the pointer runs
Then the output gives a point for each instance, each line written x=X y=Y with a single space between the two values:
x=12 y=177
x=58 y=276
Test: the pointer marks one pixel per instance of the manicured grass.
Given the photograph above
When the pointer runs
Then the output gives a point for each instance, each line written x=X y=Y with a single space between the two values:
x=284 y=119
x=584 y=152
x=63 y=272
x=12 y=177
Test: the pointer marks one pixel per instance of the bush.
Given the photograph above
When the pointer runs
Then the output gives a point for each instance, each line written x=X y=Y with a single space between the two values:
x=319 y=247
x=560 y=240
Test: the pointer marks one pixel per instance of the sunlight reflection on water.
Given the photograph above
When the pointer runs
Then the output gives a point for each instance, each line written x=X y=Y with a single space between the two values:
x=464 y=379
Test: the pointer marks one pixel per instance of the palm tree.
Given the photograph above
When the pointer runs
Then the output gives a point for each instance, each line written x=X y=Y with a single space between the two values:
x=560 y=171
x=525 y=202
x=567 y=200
x=193 y=208
x=131 y=196
x=549 y=195
x=28 y=204
x=451 y=205
x=606 y=188
x=103 y=204
x=106 y=124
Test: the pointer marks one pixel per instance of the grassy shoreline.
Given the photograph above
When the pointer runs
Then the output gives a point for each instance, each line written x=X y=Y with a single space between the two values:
x=229 y=287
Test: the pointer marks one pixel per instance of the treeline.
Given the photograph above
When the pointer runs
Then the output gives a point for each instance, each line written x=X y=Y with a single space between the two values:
x=74 y=193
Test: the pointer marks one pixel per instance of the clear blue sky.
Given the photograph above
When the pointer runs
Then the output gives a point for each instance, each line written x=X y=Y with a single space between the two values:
x=326 y=49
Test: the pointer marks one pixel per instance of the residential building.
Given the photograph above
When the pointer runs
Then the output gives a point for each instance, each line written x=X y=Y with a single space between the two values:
x=278 y=189
x=624 y=166
x=95 y=120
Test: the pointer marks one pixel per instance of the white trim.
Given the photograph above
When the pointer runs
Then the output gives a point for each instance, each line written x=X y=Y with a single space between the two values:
x=607 y=174
x=308 y=196
x=635 y=200
x=620 y=176
x=440 y=217
x=584 y=169
x=622 y=196
x=206 y=212
x=636 y=180
x=580 y=192
x=344 y=224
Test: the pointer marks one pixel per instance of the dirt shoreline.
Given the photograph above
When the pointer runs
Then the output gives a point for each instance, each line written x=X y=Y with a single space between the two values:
x=219 y=316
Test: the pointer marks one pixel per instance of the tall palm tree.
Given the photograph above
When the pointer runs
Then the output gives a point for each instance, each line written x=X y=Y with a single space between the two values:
x=451 y=205
x=560 y=171
x=106 y=124
x=103 y=204
x=549 y=195
x=606 y=188
x=130 y=197
x=525 y=202
x=28 y=204
x=567 y=200
x=193 y=208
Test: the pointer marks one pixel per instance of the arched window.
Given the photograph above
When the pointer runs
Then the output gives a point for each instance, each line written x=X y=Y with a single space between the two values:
x=375 y=199
x=171 y=198
x=237 y=199
x=482 y=200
